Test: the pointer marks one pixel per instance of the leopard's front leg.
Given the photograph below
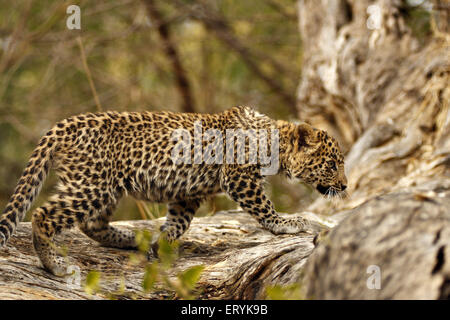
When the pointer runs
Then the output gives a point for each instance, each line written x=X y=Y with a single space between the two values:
x=246 y=188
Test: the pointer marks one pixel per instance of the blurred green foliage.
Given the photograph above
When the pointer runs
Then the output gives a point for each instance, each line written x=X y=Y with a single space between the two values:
x=287 y=292
x=160 y=275
x=42 y=78
x=92 y=284
x=418 y=19
x=157 y=271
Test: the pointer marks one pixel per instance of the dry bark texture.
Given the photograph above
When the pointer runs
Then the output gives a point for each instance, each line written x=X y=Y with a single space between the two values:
x=240 y=260
x=386 y=98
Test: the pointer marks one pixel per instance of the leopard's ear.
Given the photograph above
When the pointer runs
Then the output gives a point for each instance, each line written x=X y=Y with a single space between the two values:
x=307 y=136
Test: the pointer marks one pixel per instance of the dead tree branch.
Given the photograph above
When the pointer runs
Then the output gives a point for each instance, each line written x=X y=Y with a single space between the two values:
x=182 y=81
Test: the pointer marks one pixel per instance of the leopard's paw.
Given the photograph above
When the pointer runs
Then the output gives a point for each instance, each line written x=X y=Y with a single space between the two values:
x=57 y=266
x=291 y=226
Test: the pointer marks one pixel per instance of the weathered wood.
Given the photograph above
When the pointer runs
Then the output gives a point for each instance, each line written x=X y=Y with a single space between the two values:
x=405 y=235
x=385 y=96
x=240 y=259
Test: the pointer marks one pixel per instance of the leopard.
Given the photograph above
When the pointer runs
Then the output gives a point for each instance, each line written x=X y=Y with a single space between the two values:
x=101 y=157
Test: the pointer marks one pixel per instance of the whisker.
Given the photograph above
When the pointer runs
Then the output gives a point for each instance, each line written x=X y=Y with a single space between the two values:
x=334 y=194
x=345 y=195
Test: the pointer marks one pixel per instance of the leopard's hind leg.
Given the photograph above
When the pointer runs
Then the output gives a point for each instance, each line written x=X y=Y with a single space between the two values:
x=97 y=227
x=47 y=221
x=109 y=236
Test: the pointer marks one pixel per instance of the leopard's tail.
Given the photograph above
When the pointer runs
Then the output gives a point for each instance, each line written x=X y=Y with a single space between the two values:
x=28 y=187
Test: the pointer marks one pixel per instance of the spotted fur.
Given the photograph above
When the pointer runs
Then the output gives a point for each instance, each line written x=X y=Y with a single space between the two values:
x=101 y=157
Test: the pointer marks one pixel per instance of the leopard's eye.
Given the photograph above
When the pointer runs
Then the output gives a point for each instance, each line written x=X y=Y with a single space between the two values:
x=332 y=164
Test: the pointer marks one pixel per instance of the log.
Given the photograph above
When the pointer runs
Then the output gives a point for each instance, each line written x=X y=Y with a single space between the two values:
x=403 y=236
x=239 y=257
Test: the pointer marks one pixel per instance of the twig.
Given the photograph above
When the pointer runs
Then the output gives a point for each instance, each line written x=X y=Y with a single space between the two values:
x=88 y=74
x=220 y=27
x=171 y=51
x=141 y=210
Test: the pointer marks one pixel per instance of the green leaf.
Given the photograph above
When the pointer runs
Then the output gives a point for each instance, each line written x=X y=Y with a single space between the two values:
x=276 y=293
x=167 y=252
x=190 y=277
x=150 y=275
x=143 y=239
x=288 y=292
x=92 y=282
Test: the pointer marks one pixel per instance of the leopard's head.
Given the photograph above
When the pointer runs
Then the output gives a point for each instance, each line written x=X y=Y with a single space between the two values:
x=316 y=159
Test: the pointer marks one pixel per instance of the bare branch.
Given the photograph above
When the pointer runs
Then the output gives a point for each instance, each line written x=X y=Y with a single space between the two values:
x=217 y=24
x=171 y=51
x=88 y=74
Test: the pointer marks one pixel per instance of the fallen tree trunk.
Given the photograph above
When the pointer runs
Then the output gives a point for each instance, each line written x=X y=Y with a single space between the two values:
x=240 y=261
x=394 y=246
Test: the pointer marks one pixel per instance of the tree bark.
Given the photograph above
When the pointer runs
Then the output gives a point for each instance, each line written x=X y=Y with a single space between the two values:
x=385 y=97
x=403 y=235
x=239 y=257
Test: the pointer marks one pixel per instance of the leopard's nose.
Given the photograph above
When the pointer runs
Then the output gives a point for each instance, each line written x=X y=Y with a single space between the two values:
x=343 y=187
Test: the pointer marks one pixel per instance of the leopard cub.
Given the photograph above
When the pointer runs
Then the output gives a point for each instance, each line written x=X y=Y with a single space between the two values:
x=103 y=156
